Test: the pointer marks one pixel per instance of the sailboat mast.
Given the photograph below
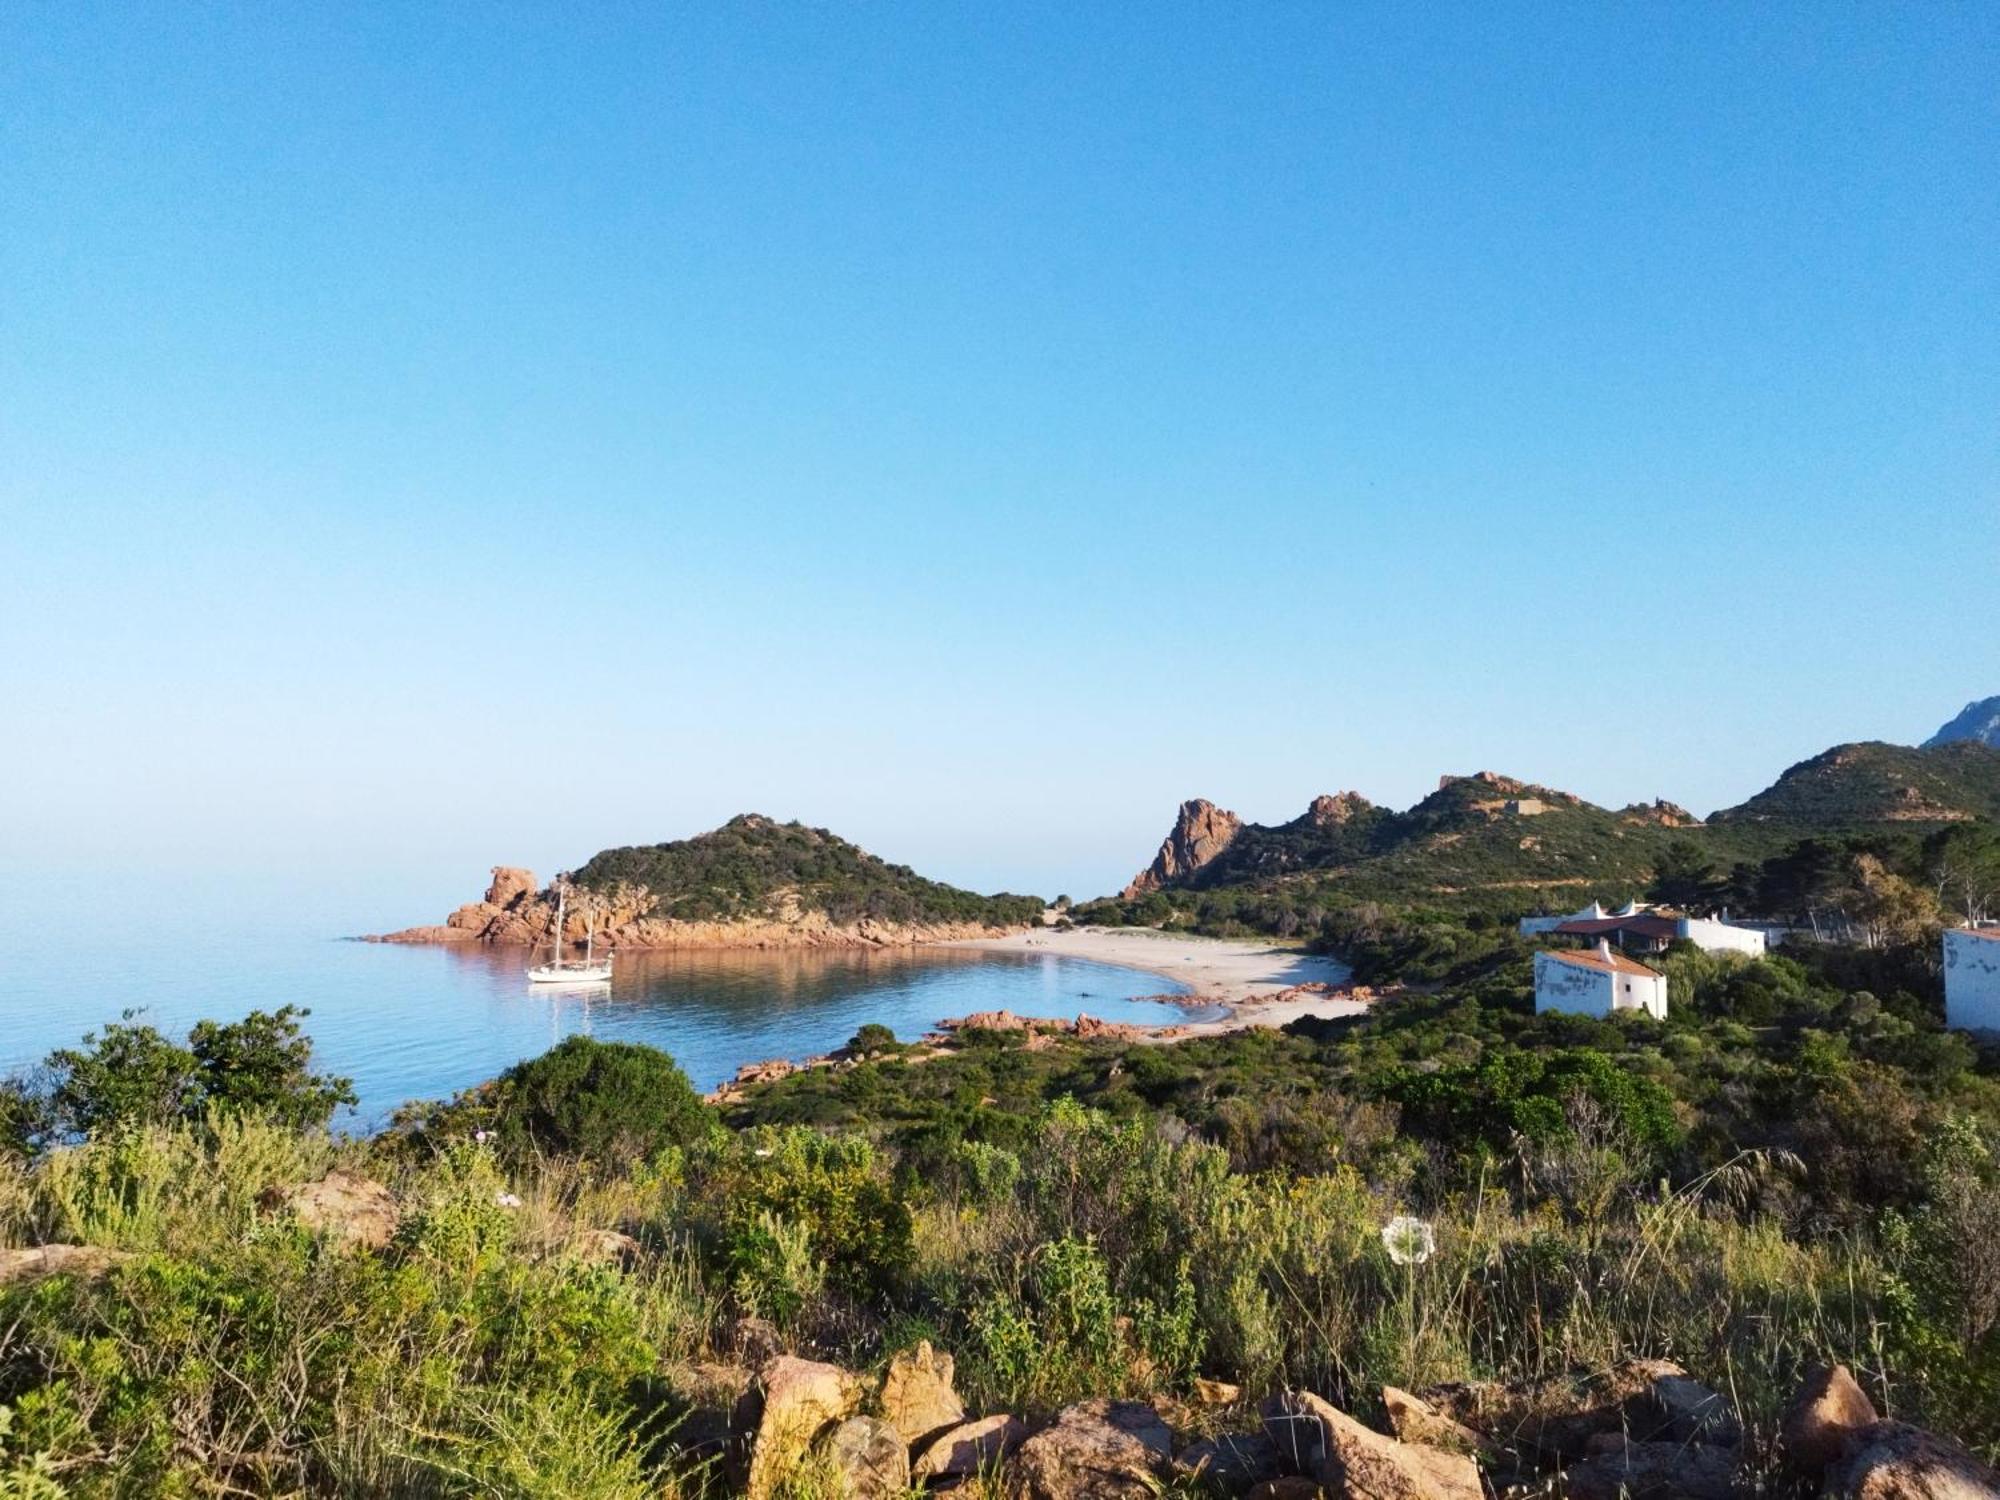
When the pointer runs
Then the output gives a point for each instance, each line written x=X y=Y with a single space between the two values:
x=562 y=907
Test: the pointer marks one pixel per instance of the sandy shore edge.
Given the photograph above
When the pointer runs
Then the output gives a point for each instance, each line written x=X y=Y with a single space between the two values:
x=1254 y=982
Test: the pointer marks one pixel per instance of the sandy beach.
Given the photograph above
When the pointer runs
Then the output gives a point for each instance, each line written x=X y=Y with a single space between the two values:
x=1255 y=981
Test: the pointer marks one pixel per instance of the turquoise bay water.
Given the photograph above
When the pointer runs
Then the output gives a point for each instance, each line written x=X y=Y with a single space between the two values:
x=409 y=1023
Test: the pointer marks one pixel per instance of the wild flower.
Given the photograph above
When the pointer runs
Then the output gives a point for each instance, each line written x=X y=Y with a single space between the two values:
x=507 y=1200
x=1410 y=1241
x=481 y=1137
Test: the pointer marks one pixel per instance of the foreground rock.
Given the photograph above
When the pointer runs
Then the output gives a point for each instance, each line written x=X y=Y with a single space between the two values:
x=345 y=1206
x=1101 y=1448
x=1415 y=1420
x=1895 y=1461
x=37 y=1261
x=1621 y=1470
x=790 y=1403
x=1825 y=1415
x=1321 y=1441
x=871 y=1458
x=1233 y=1463
x=917 y=1395
x=1645 y=1400
x=964 y=1450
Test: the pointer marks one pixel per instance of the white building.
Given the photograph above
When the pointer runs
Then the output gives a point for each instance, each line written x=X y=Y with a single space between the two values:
x=1597 y=982
x=1972 y=978
x=1712 y=935
x=1595 y=912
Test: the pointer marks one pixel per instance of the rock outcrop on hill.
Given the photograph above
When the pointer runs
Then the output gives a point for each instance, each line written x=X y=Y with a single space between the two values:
x=1201 y=831
x=1978 y=721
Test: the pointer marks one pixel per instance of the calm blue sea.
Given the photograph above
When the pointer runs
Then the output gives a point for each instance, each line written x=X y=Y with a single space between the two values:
x=410 y=1023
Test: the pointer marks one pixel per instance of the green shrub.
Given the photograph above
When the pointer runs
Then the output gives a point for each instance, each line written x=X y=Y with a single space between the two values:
x=611 y=1103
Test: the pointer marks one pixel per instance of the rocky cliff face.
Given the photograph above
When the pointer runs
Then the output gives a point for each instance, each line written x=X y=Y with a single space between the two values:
x=1337 y=811
x=1200 y=833
x=515 y=911
x=1979 y=722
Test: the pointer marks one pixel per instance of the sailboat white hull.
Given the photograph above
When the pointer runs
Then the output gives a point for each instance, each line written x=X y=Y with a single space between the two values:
x=571 y=973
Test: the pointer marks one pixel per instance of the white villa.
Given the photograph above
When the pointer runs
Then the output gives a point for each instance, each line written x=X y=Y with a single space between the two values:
x=1972 y=978
x=1597 y=983
x=1649 y=929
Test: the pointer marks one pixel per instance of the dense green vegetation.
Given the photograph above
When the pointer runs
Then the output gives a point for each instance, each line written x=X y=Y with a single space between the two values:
x=1854 y=785
x=1799 y=1164
x=754 y=867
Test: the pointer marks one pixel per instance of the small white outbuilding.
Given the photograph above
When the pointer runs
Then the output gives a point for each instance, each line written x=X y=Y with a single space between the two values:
x=1972 y=978
x=1597 y=982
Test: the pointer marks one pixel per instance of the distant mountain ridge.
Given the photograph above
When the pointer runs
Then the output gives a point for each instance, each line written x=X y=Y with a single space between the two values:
x=1978 y=721
x=1492 y=833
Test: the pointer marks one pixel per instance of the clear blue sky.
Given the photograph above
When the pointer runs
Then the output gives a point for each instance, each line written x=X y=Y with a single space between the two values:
x=449 y=434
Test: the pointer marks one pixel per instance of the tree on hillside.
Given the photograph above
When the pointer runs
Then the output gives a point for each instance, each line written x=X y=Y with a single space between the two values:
x=1962 y=866
x=1685 y=877
x=1883 y=907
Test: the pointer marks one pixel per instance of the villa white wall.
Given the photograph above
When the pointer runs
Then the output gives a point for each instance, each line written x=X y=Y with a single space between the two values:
x=1585 y=991
x=1971 y=980
x=1722 y=937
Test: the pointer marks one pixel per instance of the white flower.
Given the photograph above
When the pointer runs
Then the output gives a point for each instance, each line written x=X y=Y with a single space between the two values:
x=481 y=1137
x=763 y=1151
x=507 y=1200
x=1409 y=1241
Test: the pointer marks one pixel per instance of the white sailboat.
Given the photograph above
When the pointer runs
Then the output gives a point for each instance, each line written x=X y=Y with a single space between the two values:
x=590 y=969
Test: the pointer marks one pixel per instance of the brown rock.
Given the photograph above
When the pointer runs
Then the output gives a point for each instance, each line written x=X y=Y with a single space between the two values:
x=756 y=1341
x=511 y=884
x=871 y=1458
x=1415 y=1420
x=1216 y=1392
x=1642 y=1399
x=1620 y=1470
x=1320 y=1440
x=1097 y=1450
x=1232 y=1463
x=1895 y=1461
x=37 y=1261
x=968 y=1448
x=1332 y=812
x=1201 y=831
x=346 y=1206
x=607 y=1247
x=785 y=1409
x=1828 y=1410
x=917 y=1397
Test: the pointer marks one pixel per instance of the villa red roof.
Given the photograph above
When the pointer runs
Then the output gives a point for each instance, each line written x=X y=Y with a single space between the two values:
x=1991 y=934
x=1645 y=924
x=1590 y=958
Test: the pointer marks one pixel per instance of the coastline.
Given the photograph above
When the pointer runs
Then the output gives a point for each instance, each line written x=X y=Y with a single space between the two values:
x=1254 y=983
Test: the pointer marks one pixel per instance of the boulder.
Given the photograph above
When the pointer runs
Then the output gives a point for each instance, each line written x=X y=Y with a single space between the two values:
x=790 y=1403
x=37 y=1261
x=917 y=1397
x=967 y=1448
x=1097 y=1450
x=1319 y=1440
x=1216 y=1392
x=870 y=1457
x=345 y=1206
x=756 y=1341
x=1895 y=1461
x=1232 y=1463
x=1828 y=1410
x=1642 y=1399
x=510 y=884
x=606 y=1247
x=1415 y=1420
x=1621 y=1470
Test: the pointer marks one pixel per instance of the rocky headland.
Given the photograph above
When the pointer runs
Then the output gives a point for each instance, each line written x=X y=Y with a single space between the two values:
x=517 y=911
